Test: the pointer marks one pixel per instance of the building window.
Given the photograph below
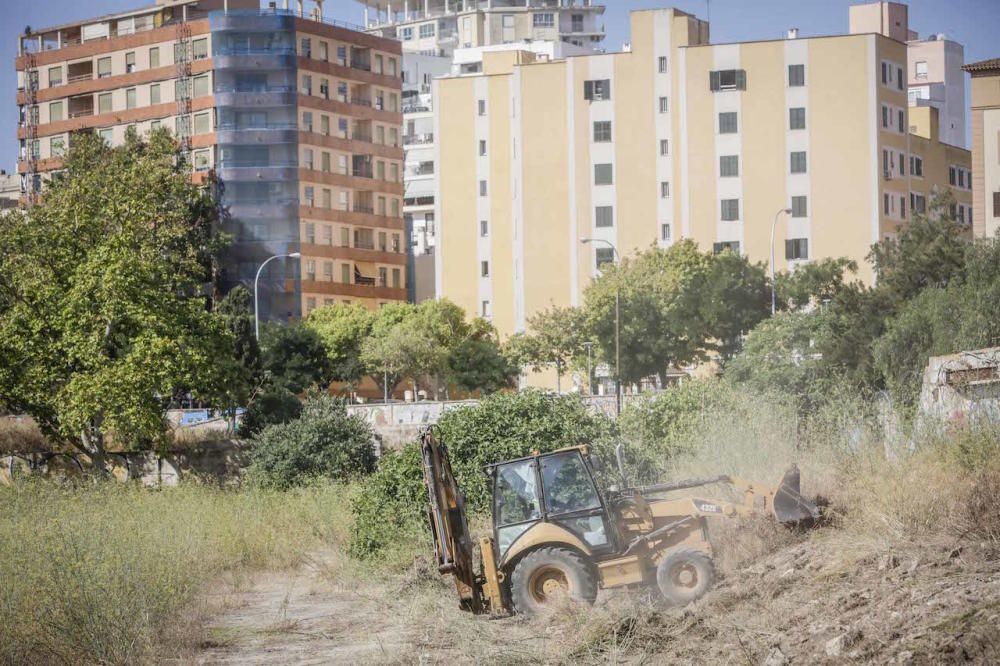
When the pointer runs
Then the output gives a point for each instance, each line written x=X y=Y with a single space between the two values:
x=602 y=131
x=482 y=188
x=597 y=90
x=723 y=246
x=604 y=216
x=885 y=116
x=902 y=164
x=729 y=166
x=797 y=118
x=130 y=98
x=395 y=278
x=486 y=312
x=482 y=148
x=798 y=162
x=951 y=176
x=664 y=189
x=730 y=210
x=307 y=121
x=105 y=135
x=154 y=57
x=796 y=249
x=484 y=228
x=484 y=268
x=902 y=207
x=996 y=204
x=662 y=64
x=154 y=93
x=800 y=206
x=307 y=85
x=57 y=146
x=104 y=103
x=306 y=50
x=199 y=49
x=664 y=147
x=55 y=76
x=727 y=79
x=426 y=30
x=202 y=124
x=886 y=204
x=664 y=105
x=901 y=121
x=665 y=232
x=603 y=174
x=103 y=68
x=406 y=34
x=55 y=112
x=900 y=84
x=544 y=20
x=728 y=123
x=796 y=75
x=130 y=62
x=921 y=69
x=602 y=256
x=482 y=107
x=961 y=177
x=918 y=203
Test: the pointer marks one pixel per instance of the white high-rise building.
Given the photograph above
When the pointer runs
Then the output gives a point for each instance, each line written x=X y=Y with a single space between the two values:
x=448 y=37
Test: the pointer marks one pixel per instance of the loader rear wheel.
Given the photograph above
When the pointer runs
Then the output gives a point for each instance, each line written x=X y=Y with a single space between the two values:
x=548 y=574
x=684 y=576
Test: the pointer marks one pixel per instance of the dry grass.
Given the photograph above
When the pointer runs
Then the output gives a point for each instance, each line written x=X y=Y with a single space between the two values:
x=21 y=437
x=102 y=574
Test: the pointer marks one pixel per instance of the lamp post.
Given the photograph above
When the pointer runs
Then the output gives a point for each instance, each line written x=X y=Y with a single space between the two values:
x=256 y=306
x=774 y=297
x=590 y=373
x=618 y=298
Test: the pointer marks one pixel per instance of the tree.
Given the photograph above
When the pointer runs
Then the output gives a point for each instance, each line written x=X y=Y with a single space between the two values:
x=383 y=358
x=477 y=363
x=818 y=281
x=732 y=298
x=294 y=357
x=102 y=320
x=927 y=252
x=236 y=311
x=343 y=329
x=555 y=337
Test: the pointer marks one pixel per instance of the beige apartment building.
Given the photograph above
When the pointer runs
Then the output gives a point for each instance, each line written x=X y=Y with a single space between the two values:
x=295 y=119
x=679 y=138
x=985 y=146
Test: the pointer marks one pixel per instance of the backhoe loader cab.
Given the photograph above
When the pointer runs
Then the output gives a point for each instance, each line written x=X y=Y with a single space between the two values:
x=554 y=533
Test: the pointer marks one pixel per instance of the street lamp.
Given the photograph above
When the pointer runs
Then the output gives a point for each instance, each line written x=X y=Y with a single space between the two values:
x=774 y=297
x=618 y=298
x=256 y=307
x=590 y=373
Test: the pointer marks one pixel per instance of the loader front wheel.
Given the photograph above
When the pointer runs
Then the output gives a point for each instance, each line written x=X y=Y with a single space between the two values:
x=548 y=574
x=684 y=576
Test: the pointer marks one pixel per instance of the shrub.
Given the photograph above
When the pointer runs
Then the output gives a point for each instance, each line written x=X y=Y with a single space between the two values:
x=391 y=506
x=324 y=442
x=658 y=425
x=272 y=406
x=502 y=426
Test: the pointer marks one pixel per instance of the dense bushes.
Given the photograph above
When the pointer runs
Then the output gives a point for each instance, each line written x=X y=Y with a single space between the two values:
x=501 y=427
x=324 y=442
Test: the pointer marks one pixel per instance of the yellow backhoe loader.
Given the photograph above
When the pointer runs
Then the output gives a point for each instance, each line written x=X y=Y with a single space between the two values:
x=555 y=534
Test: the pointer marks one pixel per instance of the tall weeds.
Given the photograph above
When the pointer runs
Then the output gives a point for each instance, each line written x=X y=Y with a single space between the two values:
x=99 y=574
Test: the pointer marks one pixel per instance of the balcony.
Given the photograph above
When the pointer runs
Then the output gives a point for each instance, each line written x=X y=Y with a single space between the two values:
x=418 y=139
x=362 y=64
x=361 y=101
x=416 y=108
x=358 y=135
x=365 y=208
x=362 y=172
x=80 y=107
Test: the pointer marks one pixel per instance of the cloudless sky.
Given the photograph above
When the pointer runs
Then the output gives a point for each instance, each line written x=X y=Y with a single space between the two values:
x=973 y=23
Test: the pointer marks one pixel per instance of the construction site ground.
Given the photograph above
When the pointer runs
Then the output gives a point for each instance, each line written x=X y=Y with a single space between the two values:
x=780 y=598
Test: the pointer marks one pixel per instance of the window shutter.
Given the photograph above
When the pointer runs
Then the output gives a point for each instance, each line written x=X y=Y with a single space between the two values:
x=996 y=204
x=741 y=79
x=588 y=90
x=713 y=81
x=789 y=249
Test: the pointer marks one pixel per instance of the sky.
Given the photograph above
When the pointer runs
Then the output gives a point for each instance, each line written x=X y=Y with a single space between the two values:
x=969 y=22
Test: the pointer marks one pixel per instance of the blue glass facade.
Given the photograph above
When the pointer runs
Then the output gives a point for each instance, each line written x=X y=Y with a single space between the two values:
x=255 y=75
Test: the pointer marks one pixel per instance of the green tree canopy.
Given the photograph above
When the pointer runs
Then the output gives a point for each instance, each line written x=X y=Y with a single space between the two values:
x=102 y=320
x=294 y=357
x=343 y=329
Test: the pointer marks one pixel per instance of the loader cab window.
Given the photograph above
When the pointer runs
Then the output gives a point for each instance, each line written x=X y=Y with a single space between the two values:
x=516 y=504
x=567 y=484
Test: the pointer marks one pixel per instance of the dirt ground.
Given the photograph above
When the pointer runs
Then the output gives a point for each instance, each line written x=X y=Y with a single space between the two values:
x=815 y=599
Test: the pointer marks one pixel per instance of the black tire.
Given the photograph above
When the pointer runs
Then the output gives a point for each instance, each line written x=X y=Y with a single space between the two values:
x=546 y=573
x=684 y=576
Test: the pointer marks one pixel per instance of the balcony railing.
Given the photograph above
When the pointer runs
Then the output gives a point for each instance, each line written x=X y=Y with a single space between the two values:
x=363 y=208
x=81 y=114
x=418 y=139
x=364 y=65
x=364 y=244
x=364 y=281
x=263 y=126
x=256 y=164
x=362 y=136
x=240 y=51
x=254 y=89
x=361 y=101
x=415 y=108
x=362 y=172
x=80 y=77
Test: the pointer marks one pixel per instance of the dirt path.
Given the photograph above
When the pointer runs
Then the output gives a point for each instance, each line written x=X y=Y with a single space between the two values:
x=303 y=617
